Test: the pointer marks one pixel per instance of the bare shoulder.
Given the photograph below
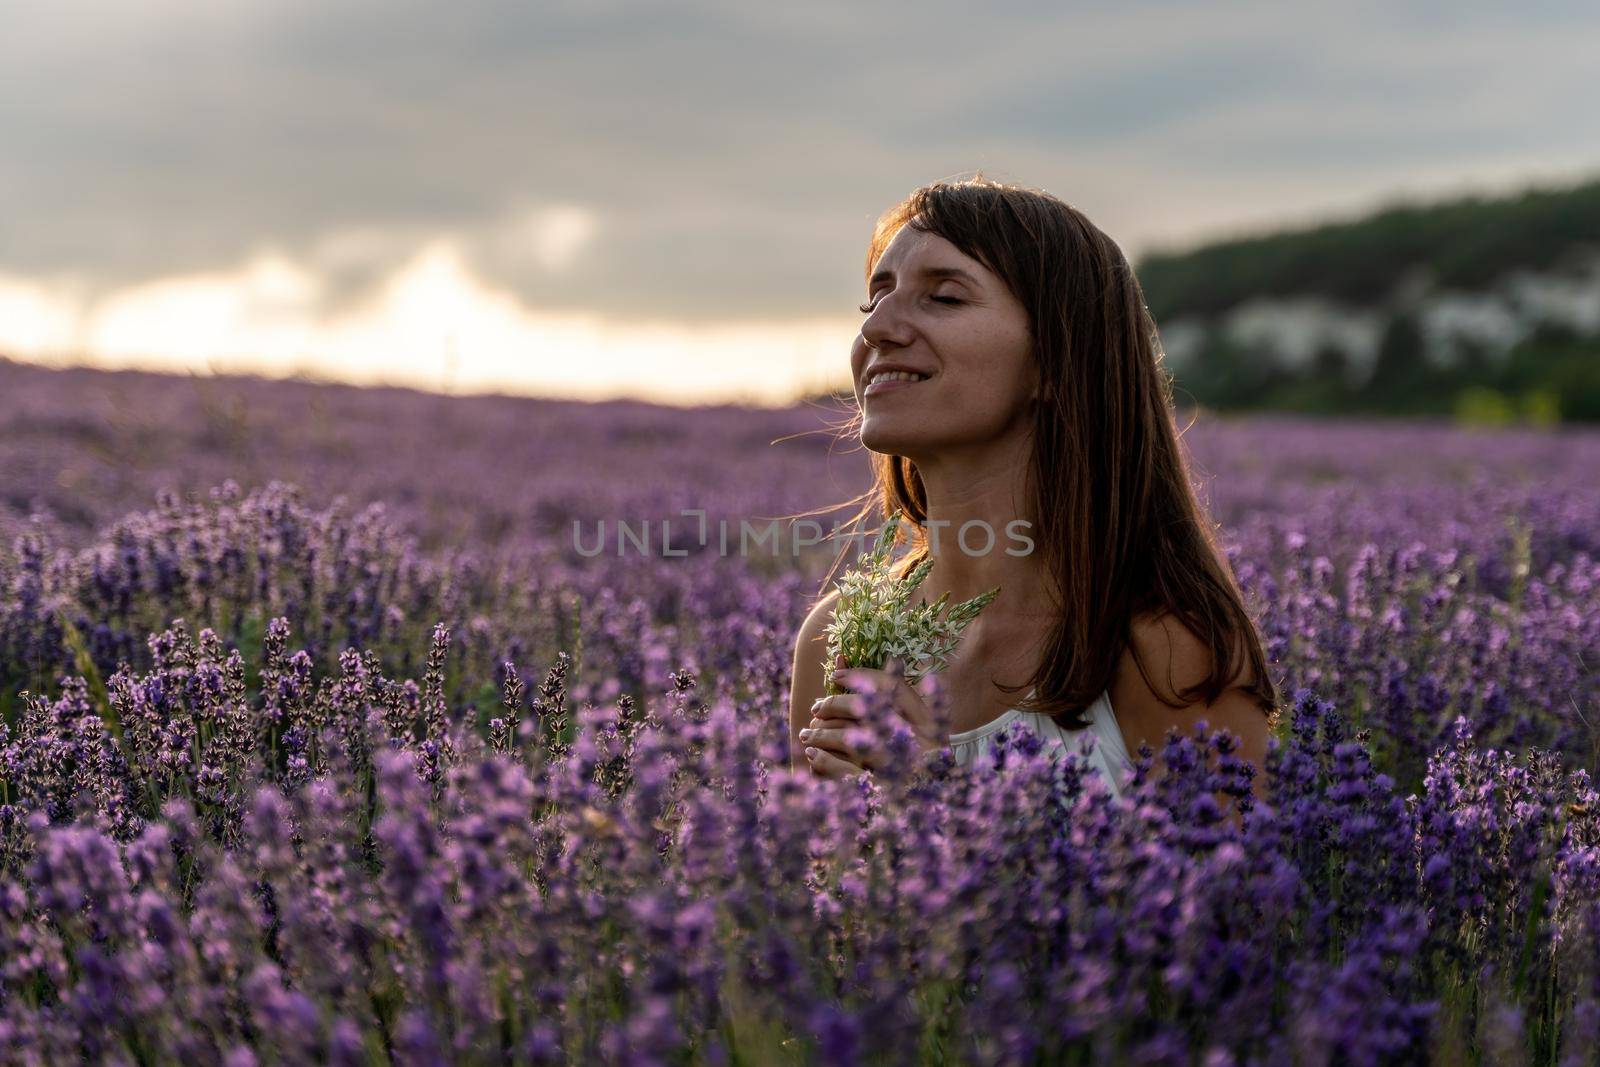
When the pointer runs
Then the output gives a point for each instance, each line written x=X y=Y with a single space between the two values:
x=1175 y=657
x=1148 y=703
x=805 y=686
x=817 y=620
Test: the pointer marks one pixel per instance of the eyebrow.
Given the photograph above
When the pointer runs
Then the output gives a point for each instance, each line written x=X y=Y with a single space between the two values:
x=927 y=272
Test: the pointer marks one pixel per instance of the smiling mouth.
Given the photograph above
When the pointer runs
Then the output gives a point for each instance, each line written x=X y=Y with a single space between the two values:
x=881 y=383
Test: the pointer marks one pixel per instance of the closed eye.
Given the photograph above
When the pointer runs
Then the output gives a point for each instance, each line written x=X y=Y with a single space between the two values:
x=867 y=309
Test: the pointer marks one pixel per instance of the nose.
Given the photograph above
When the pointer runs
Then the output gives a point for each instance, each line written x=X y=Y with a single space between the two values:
x=881 y=326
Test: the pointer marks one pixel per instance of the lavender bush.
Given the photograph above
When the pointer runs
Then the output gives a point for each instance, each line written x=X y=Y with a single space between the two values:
x=288 y=779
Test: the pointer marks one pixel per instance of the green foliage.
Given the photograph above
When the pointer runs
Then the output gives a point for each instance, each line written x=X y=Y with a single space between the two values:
x=1227 y=374
x=871 y=621
x=1464 y=244
x=1477 y=406
x=1566 y=369
x=1401 y=368
x=1540 y=407
x=1539 y=383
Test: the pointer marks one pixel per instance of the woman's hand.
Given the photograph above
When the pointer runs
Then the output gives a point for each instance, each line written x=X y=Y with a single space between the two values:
x=841 y=743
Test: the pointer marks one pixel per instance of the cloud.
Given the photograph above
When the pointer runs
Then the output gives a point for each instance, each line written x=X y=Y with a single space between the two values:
x=431 y=323
x=719 y=164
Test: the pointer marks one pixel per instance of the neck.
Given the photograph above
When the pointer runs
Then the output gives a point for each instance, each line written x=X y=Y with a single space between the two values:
x=980 y=533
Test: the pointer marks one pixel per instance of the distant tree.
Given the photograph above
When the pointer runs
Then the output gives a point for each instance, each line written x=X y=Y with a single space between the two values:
x=1568 y=372
x=1404 y=251
x=1548 y=334
x=1401 y=367
x=1478 y=362
x=1226 y=374
x=1324 y=386
x=1461 y=243
x=1330 y=368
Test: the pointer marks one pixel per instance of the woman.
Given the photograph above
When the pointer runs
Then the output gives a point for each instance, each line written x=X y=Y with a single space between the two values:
x=1023 y=381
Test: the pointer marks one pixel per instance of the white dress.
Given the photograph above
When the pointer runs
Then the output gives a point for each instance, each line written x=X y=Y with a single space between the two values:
x=1107 y=754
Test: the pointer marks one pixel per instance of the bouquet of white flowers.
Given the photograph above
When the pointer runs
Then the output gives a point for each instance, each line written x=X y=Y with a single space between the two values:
x=872 y=623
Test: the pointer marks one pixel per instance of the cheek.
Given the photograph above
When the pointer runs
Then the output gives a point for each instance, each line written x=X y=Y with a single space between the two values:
x=1020 y=369
x=1000 y=374
x=991 y=393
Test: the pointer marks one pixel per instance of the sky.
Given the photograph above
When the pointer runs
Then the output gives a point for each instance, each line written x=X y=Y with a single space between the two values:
x=673 y=201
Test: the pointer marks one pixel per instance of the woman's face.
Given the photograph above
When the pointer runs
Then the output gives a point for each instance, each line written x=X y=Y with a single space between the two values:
x=940 y=313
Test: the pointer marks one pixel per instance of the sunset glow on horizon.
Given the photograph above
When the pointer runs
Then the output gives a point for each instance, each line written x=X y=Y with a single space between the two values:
x=432 y=324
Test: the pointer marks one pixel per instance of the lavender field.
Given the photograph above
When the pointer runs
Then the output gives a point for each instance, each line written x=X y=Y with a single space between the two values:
x=322 y=742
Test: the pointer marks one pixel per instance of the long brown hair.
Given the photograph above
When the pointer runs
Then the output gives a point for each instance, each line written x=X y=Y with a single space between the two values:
x=1106 y=468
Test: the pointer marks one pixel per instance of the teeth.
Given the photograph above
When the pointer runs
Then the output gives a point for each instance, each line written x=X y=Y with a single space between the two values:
x=898 y=376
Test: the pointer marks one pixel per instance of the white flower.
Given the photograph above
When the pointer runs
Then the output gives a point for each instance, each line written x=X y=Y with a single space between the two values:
x=872 y=623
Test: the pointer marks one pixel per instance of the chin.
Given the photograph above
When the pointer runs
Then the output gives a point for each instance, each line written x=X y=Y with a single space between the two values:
x=891 y=440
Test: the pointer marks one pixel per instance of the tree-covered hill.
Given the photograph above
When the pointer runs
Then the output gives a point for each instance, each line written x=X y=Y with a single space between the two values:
x=1485 y=307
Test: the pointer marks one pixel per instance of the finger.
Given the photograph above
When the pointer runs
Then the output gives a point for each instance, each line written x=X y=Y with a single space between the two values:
x=854 y=744
x=840 y=665
x=843 y=741
x=831 y=724
x=859 y=679
x=827 y=765
x=845 y=706
x=914 y=712
x=906 y=704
